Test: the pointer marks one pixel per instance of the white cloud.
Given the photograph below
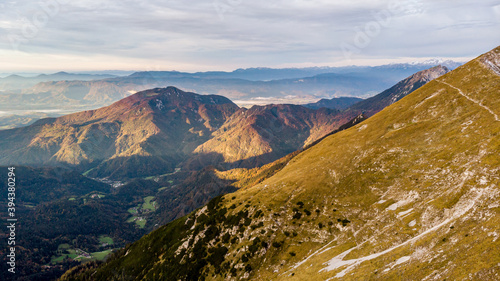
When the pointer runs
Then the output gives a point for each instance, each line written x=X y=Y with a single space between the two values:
x=242 y=33
x=496 y=10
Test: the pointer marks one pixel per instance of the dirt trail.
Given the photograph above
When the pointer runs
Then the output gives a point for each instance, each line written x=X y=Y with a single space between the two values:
x=471 y=99
x=339 y=261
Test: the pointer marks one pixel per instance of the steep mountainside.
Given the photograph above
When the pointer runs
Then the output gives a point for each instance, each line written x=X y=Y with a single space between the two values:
x=376 y=103
x=195 y=191
x=245 y=177
x=409 y=194
x=262 y=134
x=147 y=133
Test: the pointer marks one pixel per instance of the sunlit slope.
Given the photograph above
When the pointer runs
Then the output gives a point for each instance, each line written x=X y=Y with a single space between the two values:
x=409 y=194
x=147 y=133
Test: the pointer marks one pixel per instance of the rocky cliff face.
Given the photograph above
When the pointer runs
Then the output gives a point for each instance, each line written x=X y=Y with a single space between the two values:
x=492 y=60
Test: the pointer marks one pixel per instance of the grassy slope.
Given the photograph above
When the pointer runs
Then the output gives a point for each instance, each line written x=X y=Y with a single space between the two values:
x=428 y=152
x=412 y=191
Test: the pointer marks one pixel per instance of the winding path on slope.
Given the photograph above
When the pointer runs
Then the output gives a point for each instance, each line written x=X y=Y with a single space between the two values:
x=471 y=99
x=338 y=261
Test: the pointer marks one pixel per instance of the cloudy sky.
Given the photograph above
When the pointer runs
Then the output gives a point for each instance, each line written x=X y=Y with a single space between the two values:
x=197 y=35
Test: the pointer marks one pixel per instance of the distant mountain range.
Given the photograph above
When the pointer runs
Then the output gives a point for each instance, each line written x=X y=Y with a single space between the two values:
x=17 y=82
x=15 y=121
x=411 y=193
x=334 y=103
x=262 y=134
x=246 y=87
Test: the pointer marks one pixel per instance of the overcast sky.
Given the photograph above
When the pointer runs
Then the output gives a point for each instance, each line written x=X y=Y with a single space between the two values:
x=198 y=35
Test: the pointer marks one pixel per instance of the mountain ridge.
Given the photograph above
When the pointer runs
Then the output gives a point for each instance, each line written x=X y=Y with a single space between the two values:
x=340 y=103
x=17 y=82
x=273 y=130
x=376 y=103
x=148 y=126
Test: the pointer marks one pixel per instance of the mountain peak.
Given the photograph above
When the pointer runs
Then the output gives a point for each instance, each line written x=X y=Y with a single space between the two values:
x=172 y=93
x=15 y=76
x=430 y=74
x=158 y=128
x=376 y=103
x=262 y=134
x=437 y=61
x=338 y=103
x=492 y=60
